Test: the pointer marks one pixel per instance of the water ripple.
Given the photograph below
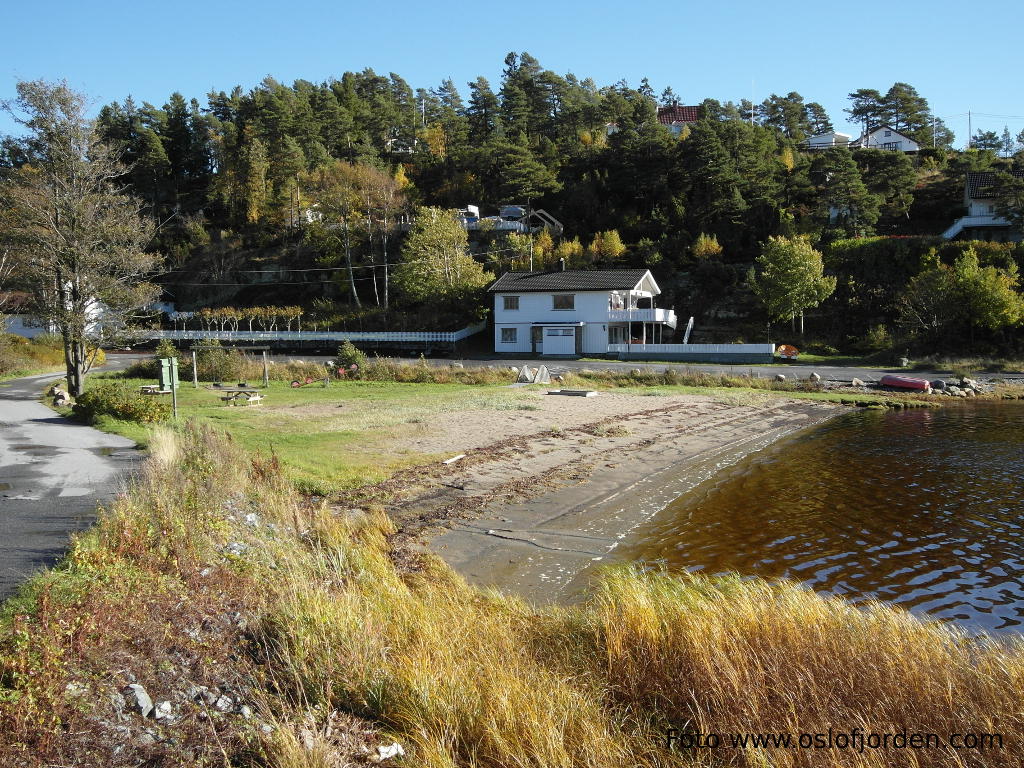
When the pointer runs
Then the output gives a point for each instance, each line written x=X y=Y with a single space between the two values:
x=920 y=508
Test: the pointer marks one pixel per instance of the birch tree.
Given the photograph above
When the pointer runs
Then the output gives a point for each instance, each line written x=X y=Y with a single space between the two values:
x=77 y=238
x=436 y=265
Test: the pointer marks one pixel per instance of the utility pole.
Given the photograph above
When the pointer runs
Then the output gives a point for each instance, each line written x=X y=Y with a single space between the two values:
x=529 y=228
x=970 y=129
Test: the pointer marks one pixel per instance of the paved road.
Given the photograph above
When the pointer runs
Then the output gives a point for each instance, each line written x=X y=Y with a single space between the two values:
x=52 y=474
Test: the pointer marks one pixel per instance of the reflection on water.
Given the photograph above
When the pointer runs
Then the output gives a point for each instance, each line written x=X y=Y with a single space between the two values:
x=920 y=508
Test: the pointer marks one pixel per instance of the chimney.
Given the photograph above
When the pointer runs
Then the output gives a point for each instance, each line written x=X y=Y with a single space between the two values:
x=561 y=265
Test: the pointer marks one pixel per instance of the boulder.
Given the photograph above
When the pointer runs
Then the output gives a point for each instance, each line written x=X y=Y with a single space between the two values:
x=857 y=383
x=138 y=699
x=163 y=711
x=542 y=376
x=938 y=385
x=458 y=365
x=388 y=752
x=969 y=392
x=525 y=375
x=904 y=362
x=814 y=377
x=780 y=377
x=636 y=372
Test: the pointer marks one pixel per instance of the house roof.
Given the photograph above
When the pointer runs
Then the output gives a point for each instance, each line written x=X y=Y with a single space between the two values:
x=569 y=280
x=979 y=182
x=678 y=114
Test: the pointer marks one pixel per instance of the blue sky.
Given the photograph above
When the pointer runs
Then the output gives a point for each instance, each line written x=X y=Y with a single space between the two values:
x=959 y=56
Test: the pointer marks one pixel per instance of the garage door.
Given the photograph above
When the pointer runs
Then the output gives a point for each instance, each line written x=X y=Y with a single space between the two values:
x=559 y=341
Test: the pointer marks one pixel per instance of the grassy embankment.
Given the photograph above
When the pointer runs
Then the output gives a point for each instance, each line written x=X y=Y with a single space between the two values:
x=21 y=357
x=214 y=572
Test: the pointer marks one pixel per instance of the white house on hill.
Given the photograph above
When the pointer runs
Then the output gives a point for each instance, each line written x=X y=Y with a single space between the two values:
x=577 y=312
x=829 y=140
x=885 y=137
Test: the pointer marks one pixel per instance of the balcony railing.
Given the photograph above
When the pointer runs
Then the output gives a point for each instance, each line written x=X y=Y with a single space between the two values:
x=666 y=316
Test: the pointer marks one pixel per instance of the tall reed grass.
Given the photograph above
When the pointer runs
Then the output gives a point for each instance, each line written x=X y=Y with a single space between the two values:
x=458 y=676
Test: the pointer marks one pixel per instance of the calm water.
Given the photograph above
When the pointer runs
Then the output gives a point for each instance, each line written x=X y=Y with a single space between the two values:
x=924 y=509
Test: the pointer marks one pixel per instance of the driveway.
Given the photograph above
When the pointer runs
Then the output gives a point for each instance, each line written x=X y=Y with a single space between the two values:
x=52 y=474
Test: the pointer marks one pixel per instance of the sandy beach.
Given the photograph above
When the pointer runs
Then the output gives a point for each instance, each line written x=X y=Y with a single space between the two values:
x=544 y=495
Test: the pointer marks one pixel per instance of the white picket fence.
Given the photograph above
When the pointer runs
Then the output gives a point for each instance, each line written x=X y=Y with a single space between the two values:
x=449 y=337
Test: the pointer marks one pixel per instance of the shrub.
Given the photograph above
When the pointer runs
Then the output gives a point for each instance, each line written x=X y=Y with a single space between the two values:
x=350 y=355
x=120 y=402
x=819 y=348
x=876 y=339
x=166 y=348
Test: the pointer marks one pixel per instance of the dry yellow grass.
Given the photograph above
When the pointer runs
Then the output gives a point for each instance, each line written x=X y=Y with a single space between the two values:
x=460 y=677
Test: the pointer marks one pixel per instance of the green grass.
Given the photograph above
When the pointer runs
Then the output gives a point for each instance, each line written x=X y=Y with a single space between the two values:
x=336 y=437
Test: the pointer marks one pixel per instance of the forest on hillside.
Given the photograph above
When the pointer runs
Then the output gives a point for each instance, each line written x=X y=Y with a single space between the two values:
x=305 y=194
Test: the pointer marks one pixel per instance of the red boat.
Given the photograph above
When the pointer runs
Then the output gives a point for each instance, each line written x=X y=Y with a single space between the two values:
x=905 y=382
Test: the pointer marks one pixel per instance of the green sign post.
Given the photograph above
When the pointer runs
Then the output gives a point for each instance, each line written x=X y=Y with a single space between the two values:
x=169 y=380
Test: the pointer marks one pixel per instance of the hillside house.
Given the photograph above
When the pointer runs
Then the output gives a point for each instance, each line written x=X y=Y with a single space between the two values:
x=885 y=137
x=830 y=140
x=981 y=221
x=677 y=116
x=568 y=313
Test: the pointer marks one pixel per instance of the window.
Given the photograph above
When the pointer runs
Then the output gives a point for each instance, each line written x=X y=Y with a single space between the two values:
x=508 y=335
x=563 y=301
x=888 y=133
x=560 y=331
x=511 y=303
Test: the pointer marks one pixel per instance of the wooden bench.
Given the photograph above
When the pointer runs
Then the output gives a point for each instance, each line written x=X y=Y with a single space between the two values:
x=149 y=389
x=254 y=399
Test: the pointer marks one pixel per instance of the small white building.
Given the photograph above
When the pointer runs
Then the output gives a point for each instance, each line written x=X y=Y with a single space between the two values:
x=569 y=313
x=981 y=221
x=885 y=137
x=830 y=140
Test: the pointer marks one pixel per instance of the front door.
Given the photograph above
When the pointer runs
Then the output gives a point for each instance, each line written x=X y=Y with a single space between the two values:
x=559 y=341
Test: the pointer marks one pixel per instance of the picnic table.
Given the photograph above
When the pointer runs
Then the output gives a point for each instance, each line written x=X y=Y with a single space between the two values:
x=153 y=389
x=234 y=395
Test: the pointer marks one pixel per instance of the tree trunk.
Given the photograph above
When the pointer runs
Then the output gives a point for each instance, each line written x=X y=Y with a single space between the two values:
x=348 y=261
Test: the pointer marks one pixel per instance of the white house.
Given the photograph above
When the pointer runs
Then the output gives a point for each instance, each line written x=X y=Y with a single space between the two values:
x=885 y=137
x=577 y=312
x=981 y=221
x=829 y=140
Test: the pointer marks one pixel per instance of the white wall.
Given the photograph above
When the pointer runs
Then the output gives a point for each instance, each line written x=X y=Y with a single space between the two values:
x=590 y=307
x=595 y=338
x=20 y=325
x=877 y=139
x=982 y=207
x=522 y=342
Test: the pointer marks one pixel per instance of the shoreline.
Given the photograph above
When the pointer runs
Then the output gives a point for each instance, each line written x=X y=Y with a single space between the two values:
x=535 y=514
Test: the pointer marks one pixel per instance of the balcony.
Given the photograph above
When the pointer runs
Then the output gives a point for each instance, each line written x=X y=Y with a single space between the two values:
x=664 y=316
